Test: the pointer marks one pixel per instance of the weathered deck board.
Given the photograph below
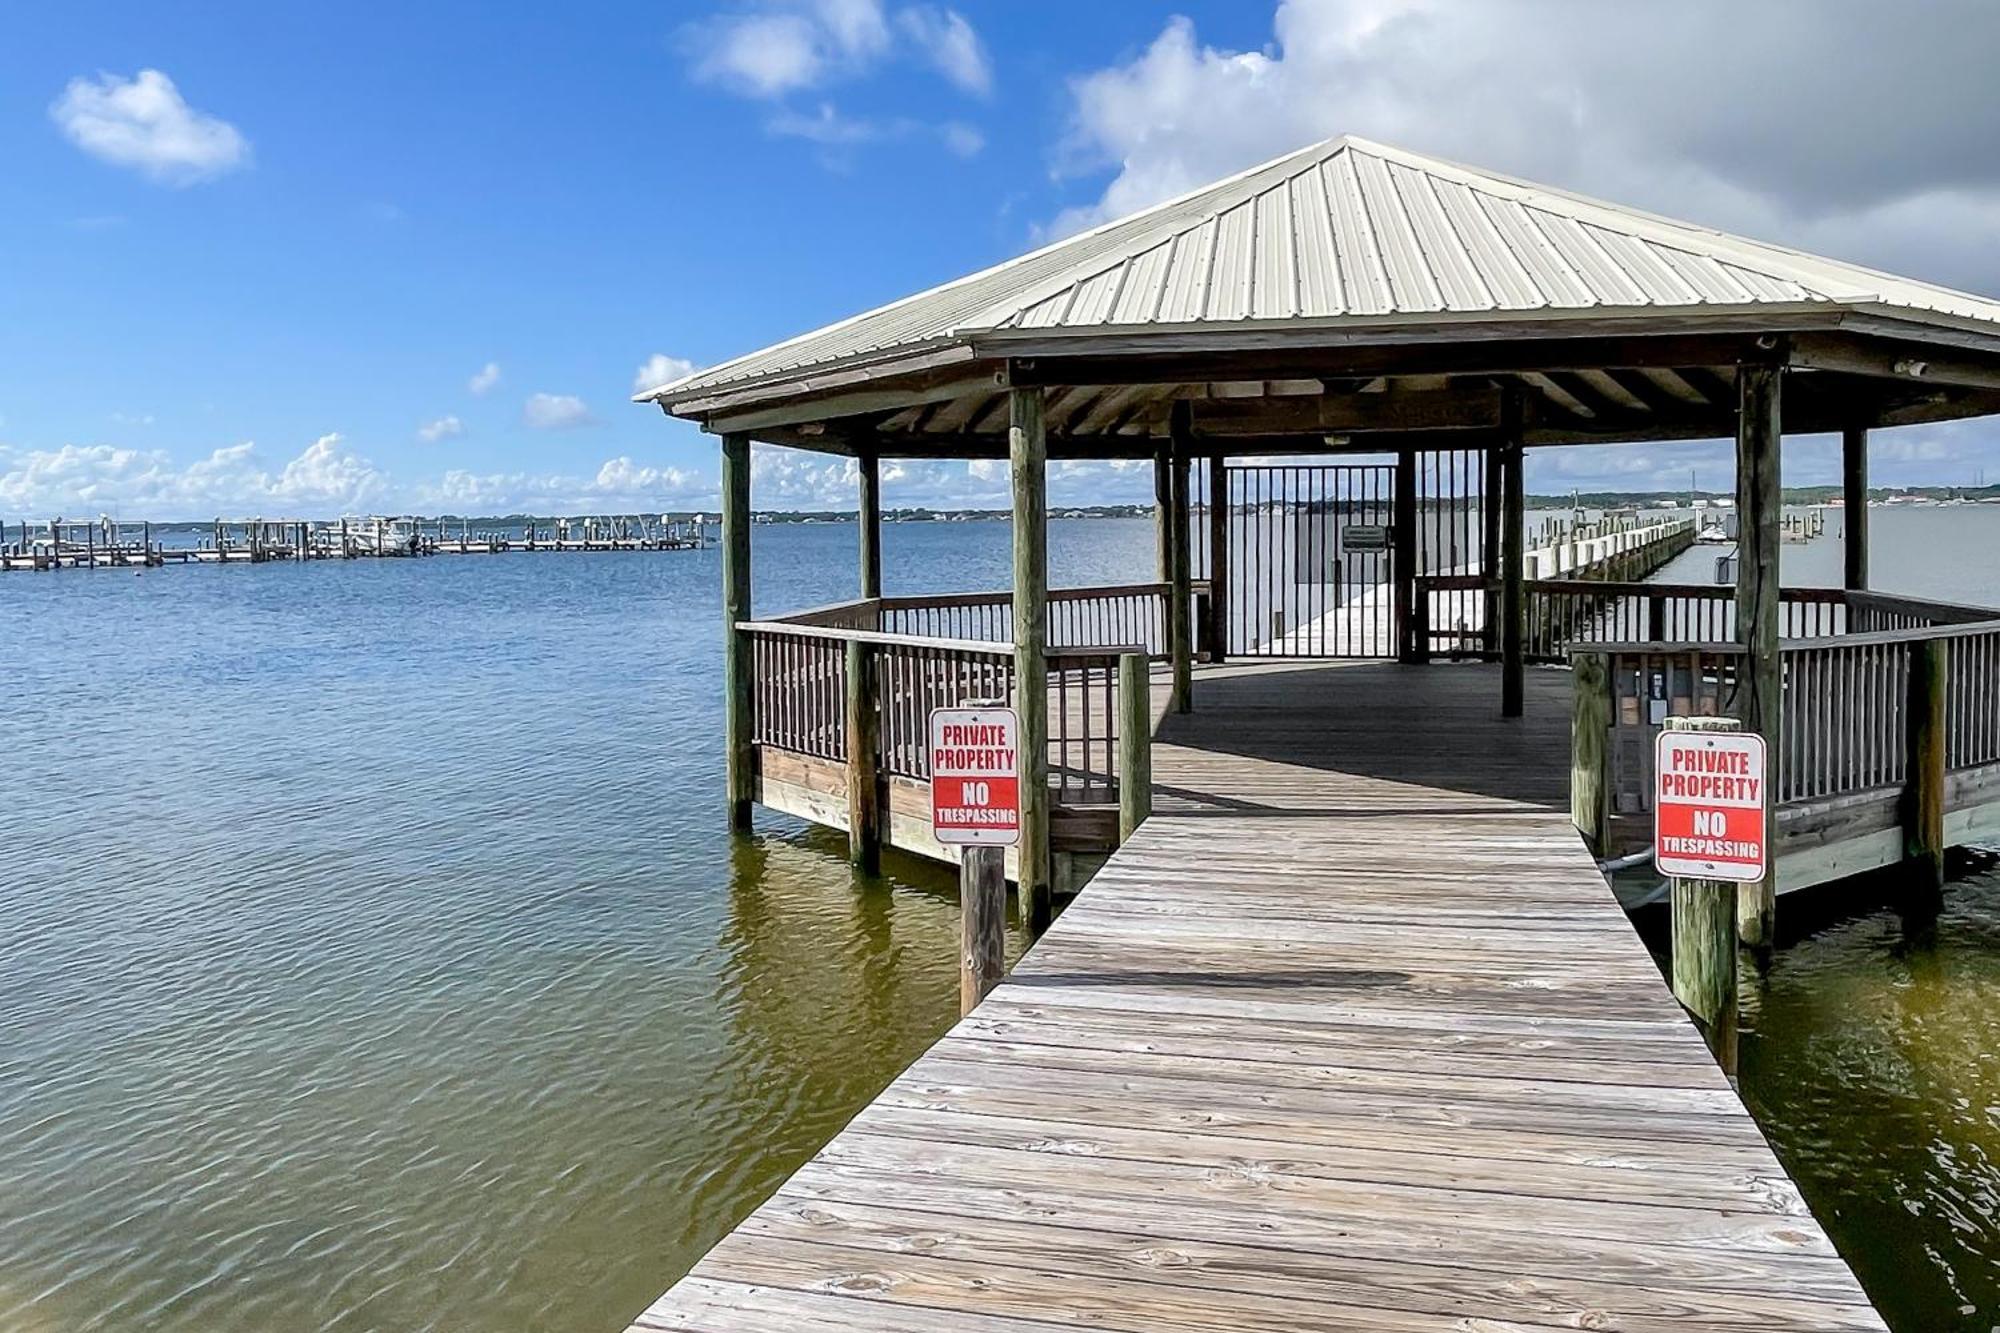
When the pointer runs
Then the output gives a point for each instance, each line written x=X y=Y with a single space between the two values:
x=1350 y=1036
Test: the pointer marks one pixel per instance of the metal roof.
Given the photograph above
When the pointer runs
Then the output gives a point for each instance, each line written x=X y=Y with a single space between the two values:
x=1345 y=231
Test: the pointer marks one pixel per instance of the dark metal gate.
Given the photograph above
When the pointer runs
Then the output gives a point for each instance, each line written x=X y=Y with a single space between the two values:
x=1310 y=551
x=1309 y=560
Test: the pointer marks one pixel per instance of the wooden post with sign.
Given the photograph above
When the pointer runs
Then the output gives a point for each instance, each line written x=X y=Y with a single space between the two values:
x=1709 y=834
x=982 y=924
x=976 y=806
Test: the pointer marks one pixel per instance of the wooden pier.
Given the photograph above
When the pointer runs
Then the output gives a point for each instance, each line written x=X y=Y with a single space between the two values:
x=1350 y=1034
x=107 y=544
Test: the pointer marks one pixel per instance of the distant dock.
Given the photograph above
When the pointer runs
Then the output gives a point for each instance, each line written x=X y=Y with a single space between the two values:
x=104 y=543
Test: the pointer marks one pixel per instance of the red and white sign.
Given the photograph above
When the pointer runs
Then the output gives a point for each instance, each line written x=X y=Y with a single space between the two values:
x=975 y=776
x=1708 y=805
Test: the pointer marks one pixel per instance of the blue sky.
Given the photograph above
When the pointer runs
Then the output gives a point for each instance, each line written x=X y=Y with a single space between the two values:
x=268 y=275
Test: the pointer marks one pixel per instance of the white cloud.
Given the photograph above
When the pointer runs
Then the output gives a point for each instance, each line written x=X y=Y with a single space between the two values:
x=325 y=477
x=831 y=129
x=658 y=369
x=619 y=484
x=950 y=44
x=962 y=139
x=825 y=126
x=143 y=123
x=783 y=47
x=484 y=379
x=555 y=411
x=774 y=48
x=444 y=428
x=1634 y=103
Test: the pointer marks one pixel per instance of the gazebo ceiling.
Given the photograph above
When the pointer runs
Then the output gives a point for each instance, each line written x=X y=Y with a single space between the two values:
x=1351 y=295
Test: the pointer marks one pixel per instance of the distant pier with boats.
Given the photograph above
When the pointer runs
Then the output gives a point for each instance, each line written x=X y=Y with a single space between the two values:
x=106 y=543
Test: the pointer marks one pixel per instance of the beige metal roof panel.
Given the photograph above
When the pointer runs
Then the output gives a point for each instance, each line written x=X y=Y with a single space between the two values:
x=1186 y=293
x=1274 y=291
x=1366 y=281
x=1451 y=265
x=1505 y=279
x=1144 y=280
x=1557 y=282
x=1412 y=287
x=1317 y=281
x=1348 y=229
x=1607 y=283
x=1230 y=275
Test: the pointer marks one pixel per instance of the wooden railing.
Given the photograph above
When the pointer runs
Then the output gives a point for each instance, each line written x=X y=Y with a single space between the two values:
x=801 y=678
x=1563 y=615
x=1873 y=725
x=1125 y=614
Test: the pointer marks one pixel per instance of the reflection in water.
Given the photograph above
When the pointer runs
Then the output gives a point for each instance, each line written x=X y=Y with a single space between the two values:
x=372 y=954
x=1873 y=1063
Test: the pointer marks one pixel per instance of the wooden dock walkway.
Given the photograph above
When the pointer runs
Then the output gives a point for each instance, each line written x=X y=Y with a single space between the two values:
x=1351 y=1035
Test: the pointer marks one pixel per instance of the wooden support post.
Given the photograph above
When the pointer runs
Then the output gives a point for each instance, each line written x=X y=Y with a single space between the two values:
x=1923 y=798
x=868 y=517
x=1703 y=932
x=1135 y=742
x=982 y=924
x=1027 y=450
x=1218 y=558
x=1513 y=556
x=1589 y=748
x=1180 y=578
x=1404 y=555
x=1163 y=523
x=1854 y=501
x=864 y=782
x=1758 y=512
x=736 y=664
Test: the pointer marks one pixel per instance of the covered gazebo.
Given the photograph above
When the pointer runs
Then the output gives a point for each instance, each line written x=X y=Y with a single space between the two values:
x=1348 y=298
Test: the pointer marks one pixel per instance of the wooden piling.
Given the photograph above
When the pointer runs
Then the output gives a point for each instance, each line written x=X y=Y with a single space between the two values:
x=1027 y=448
x=1758 y=613
x=982 y=918
x=1135 y=743
x=1703 y=938
x=737 y=667
x=1854 y=511
x=868 y=517
x=1923 y=797
x=864 y=785
x=1589 y=741
x=1180 y=608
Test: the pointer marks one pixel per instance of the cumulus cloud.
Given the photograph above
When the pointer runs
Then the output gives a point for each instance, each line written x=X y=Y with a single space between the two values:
x=950 y=44
x=1634 y=103
x=324 y=480
x=658 y=369
x=444 y=428
x=483 y=380
x=555 y=411
x=144 y=123
x=831 y=128
x=619 y=484
x=778 y=47
x=782 y=47
x=324 y=477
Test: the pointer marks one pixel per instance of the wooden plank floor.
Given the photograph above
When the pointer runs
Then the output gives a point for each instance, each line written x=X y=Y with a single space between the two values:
x=1350 y=1036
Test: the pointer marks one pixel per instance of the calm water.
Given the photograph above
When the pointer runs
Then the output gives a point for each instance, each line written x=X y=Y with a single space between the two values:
x=372 y=954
